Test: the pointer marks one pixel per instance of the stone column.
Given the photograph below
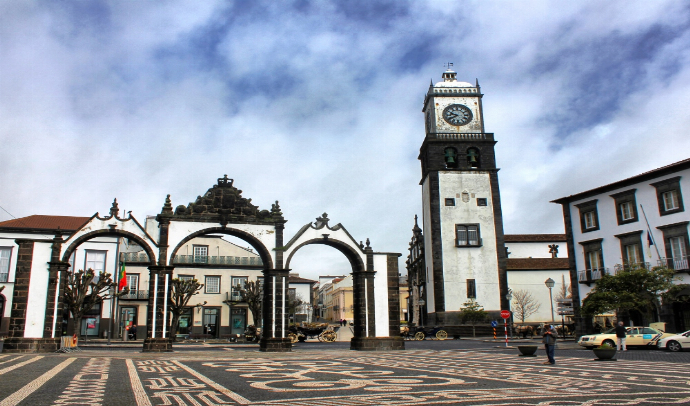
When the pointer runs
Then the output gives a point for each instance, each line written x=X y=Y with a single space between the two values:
x=57 y=270
x=16 y=342
x=157 y=314
x=274 y=335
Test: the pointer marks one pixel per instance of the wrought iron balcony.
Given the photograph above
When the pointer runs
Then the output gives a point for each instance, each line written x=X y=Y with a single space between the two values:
x=134 y=257
x=136 y=295
x=216 y=260
x=630 y=265
x=590 y=275
x=677 y=263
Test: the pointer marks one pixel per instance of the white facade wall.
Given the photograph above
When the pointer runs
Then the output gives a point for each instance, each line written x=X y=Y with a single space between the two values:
x=535 y=249
x=533 y=282
x=38 y=289
x=381 y=294
x=478 y=263
x=646 y=196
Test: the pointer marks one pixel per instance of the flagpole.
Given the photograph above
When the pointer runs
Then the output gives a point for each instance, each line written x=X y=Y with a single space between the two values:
x=649 y=230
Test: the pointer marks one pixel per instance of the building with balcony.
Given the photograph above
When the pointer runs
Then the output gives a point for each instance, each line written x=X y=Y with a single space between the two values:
x=638 y=220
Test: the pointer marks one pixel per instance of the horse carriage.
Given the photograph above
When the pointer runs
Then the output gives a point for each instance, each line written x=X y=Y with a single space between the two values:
x=422 y=333
x=322 y=331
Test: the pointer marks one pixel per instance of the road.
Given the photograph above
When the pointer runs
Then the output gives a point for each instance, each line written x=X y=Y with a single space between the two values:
x=451 y=372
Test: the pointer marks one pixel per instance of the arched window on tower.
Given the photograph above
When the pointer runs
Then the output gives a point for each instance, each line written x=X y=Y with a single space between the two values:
x=450 y=155
x=473 y=157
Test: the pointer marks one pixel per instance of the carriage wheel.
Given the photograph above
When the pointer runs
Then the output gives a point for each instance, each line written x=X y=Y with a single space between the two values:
x=419 y=336
x=293 y=337
x=441 y=335
x=328 y=336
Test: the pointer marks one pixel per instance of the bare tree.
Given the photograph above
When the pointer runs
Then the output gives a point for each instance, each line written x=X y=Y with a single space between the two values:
x=524 y=304
x=254 y=296
x=182 y=291
x=83 y=291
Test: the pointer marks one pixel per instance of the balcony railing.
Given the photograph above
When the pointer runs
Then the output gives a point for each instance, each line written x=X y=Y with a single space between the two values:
x=216 y=260
x=590 y=275
x=136 y=295
x=629 y=265
x=677 y=263
x=134 y=257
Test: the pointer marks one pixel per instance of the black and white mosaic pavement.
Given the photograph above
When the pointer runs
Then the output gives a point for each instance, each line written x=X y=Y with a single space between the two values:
x=412 y=377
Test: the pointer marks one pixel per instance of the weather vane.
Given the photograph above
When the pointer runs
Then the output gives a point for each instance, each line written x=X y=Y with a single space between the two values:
x=448 y=65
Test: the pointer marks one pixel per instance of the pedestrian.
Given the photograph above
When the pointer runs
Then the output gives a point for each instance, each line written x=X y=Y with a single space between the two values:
x=549 y=341
x=133 y=332
x=620 y=336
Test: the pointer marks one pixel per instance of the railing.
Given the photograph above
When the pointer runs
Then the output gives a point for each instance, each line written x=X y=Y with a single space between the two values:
x=629 y=265
x=677 y=263
x=462 y=136
x=136 y=295
x=219 y=260
x=134 y=257
x=590 y=275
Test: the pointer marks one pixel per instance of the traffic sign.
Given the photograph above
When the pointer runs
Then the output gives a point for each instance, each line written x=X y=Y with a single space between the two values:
x=494 y=324
x=505 y=314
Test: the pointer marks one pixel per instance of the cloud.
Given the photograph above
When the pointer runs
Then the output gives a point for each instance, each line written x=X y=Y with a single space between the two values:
x=318 y=104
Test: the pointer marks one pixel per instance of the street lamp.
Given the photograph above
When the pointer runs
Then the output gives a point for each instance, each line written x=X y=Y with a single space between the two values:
x=421 y=302
x=550 y=284
x=509 y=297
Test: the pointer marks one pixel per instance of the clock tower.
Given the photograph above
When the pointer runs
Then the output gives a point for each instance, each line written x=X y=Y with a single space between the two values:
x=463 y=224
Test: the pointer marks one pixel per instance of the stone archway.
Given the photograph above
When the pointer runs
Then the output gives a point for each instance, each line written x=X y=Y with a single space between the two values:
x=375 y=303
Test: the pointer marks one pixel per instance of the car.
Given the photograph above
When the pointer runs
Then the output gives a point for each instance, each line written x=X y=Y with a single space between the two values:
x=635 y=337
x=674 y=343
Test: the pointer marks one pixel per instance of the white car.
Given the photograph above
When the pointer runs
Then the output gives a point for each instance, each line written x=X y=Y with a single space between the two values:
x=678 y=342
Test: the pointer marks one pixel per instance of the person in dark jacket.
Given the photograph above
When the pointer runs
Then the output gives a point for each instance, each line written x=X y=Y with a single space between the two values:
x=620 y=336
x=549 y=340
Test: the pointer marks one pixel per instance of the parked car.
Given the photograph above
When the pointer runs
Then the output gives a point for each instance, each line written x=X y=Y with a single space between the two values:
x=678 y=342
x=636 y=337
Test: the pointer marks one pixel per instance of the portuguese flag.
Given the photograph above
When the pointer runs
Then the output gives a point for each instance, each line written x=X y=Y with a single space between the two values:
x=122 y=278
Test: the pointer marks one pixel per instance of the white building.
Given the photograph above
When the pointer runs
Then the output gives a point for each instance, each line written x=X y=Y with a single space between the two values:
x=608 y=227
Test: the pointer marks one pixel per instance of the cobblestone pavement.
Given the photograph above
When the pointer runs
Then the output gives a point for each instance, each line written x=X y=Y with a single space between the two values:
x=228 y=375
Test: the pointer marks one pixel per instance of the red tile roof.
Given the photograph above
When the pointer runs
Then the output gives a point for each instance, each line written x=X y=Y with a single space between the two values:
x=537 y=263
x=297 y=279
x=41 y=222
x=534 y=237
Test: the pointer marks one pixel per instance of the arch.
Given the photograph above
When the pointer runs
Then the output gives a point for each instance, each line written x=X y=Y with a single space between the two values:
x=112 y=232
x=260 y=247
x=351 y=255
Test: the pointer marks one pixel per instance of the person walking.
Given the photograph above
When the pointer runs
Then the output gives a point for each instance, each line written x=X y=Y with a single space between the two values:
x=620 y=336
x=549 y=341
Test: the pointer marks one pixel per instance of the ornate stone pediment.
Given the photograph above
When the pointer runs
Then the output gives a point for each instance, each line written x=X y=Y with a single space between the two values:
x=223 y=203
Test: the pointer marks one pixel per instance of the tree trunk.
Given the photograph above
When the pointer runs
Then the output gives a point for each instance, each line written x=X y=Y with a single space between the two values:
x=174 y=326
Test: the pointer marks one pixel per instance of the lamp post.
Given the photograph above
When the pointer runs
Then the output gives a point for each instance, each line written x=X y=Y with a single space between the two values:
x=550 y=284
x=421 y=302
x=509 y=297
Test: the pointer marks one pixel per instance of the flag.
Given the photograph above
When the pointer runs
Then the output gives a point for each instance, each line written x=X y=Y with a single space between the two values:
x=649 y=243
x=122 y=277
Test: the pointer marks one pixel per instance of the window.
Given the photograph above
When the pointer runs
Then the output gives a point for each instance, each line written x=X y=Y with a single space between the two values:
x=589 y=218
x=212 y=284
x=594 y=260
x=626 y=206
x=237 y=283
x=676 y=245
x=670 y=200
x=450 y=202
x=481 y=201
x=5 y=253
x=201 y=254
x=471 y=289
x=669 y=196
x=185 y=277
x=467 y=235
x=133 y=282
x=292 y=293
x=631 y=247
x=95 y=260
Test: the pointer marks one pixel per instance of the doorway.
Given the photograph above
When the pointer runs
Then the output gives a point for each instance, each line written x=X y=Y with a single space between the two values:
x=128 y=318
x=210 y=321
x=238 y=321
x=186 y=321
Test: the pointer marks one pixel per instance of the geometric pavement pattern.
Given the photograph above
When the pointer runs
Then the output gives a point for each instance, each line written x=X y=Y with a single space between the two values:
x=412 y=377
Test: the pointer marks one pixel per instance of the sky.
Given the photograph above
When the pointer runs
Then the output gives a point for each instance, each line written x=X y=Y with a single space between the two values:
x=317 y=104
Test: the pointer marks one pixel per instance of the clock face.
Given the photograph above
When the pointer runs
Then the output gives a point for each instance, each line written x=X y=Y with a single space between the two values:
x=457 y=114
